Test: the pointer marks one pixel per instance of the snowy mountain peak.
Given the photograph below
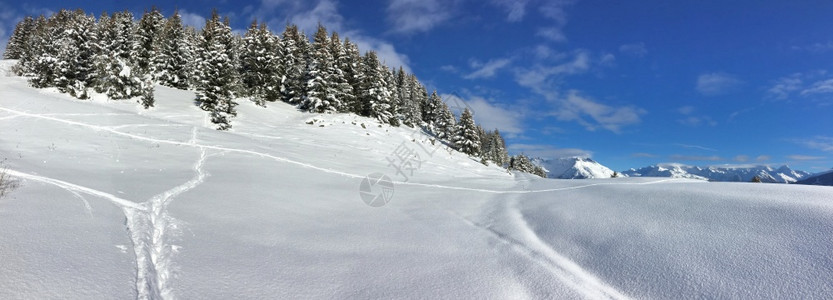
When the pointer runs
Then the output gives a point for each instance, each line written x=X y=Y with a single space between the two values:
x=735 y=173
x=574 y=168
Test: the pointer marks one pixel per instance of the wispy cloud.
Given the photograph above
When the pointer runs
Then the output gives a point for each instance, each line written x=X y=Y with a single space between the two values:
x=634 y=49
x=594 y=115
x=741 y=158
x=490 y=115
x=763 y=158
x=805 y=157
x=823 y=143
x=696 y=147
x=488 y=69
x=713 y=84
x=816 y=48
x=816 y=86
x=643 y=155
x=191 y=19
x=413 y=16
x=696 y=121
x=679 y=157
x=516 y=9
x=547 y=151
x=554 y=10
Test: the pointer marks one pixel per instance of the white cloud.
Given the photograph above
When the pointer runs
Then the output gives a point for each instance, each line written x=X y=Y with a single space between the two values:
x=490 y=115
x=714 y=84
x=696 y=147
x=386 y=51
x=816 y=48
x=823 y=143
x=695 y=157
x=538 y=76
x=552 y=33
x=819 y=87
x=593 y=115
x=635 y=49
x=547 y=151
x=783 y=87
x=488 y=69
x=763 y=158
x=805 y=157
x=411 y=16
x=191 y=19
x=696 y=121
x=741 y=158
x=686 y=110
x=516 y=9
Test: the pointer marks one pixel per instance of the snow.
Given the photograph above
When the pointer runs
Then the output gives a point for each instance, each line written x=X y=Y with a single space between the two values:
x=115 y=201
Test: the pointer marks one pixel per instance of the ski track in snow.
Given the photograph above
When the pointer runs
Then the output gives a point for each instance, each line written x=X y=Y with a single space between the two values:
x=149 y=224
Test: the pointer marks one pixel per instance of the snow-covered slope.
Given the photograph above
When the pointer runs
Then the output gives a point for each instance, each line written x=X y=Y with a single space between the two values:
x=742 y=173
x=823 y=178
x=573 y=168
x=116 y=202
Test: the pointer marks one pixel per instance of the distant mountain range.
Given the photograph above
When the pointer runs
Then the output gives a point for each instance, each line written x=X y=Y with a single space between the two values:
x=573 y=168
x=743 y=173
x=823 y=178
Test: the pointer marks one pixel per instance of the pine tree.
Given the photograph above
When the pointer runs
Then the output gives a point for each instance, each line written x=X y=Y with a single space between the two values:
x=353 y=69
x=294 y=45
x=342 y=88
x=259 y=64
x=115 y=69
x=446 y=125
x=430 y=111
x=374 y=94
x=393 y=105
x=216 y=72
x=74 y=58
x=320 y=89
x=175 y=54
x=17 y=46
x=467 y=138
x=147 y=41
x=45 y=66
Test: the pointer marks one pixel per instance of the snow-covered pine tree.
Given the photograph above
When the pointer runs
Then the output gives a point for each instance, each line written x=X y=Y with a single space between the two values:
x=430 y=110
x=417 y=95
x=353 y=69
x=258 y=63
x=294 y=46
x=320 y=89
x=33 y=44
x=522 y=163
x=216 y=72
x=446 y=124
x=74 y=59
x=498 y=149
x=115 y=69
x=467 y=138
x=343 y=90
x=175 y=54
x=147 y=41
x=401 y=92
x=17 y=46
x=374 y=93
x=390 y=79
x=44 y=65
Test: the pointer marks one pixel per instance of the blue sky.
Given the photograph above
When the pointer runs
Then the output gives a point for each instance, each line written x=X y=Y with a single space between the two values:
x=629 y=83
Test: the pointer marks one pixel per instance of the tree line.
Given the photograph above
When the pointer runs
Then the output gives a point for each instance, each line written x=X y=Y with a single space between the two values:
x=123 y=58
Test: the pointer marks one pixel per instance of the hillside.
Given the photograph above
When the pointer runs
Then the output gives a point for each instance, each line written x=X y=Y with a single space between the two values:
x=823 y=178
x=118 y=202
